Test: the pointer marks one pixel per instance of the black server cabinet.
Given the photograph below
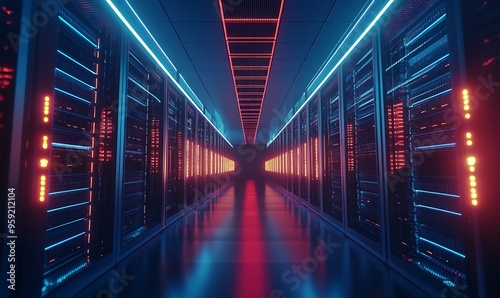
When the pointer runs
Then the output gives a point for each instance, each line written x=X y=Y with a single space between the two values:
x=363 y=202
x=332 y=163
x=304 y=153
x=296 y=156
x=314 y=153
x=175 y=162
x=142 y=176
x=281 y=159
x=190 y=154
x=482 y=48
x=291 y=158
x=207 y=158
x=425 y=217
x=210 y=146
x=72 y=147
x=200 y=153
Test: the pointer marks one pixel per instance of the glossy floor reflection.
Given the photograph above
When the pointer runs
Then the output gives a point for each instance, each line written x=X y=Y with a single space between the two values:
x=252 y=242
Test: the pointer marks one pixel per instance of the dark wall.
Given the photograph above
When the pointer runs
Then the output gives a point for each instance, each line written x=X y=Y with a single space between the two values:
x=250 y=161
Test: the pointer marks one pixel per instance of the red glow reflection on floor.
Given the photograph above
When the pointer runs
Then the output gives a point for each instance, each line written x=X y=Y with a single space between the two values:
x=252 y=272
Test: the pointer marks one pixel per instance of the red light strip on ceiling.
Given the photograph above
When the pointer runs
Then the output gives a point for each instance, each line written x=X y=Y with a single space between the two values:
x=250 y=114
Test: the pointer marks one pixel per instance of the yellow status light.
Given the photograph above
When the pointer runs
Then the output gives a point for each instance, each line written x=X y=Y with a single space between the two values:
x=42 y=188
x=471 y=161
x=472 y=178
x=466 y=107
x=472 y=169
x=473 y=195
x=466 y=101
x=467 y=116
x=44 y=163
x=469 y=143
x=473 y=183
x=45 y=143
x=465 y=92
x=473 y=190
x=468 y=135
x=474 y=202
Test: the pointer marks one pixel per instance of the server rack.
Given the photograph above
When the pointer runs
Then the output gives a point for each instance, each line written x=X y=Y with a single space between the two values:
x=210 y=146
x=291 y=163
x=363 y=203
x=332 y=162
x=426 y=218
x=304 y=154
x=297 y=157
x=190 y=154
x=405 y=112
x=142 y=177
x=176 y=136
x=200 y=149
x=79 y=188
x=314 y=184
x=481 y=26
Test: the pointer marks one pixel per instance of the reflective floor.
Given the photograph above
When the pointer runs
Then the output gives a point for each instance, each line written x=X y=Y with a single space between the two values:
x=251 y=242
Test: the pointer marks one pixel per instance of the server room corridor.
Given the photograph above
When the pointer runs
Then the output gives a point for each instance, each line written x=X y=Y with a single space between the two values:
x=251 y=241
x=249 y=148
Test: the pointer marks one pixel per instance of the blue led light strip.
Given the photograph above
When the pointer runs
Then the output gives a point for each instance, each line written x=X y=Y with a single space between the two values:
x=69 y=146
x=150 y=35
x=442 y=247
x=417 y=74
x=437 y=193
x=62 y=192
x=438 y=209
x=66 y=240
x=72 y=95
x=67 y=207
x=145 y=90
x=78 y=32
x=136 y=100
x=157 y=60
x=439 y=146
x=327 y=77
x=430 y=97
x=76 y=79
x=426 y=30
x=65 y=224
x=76 y=62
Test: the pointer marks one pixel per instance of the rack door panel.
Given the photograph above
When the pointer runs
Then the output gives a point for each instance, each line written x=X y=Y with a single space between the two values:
x=80 y=209
x=332 y=179
x=142 y=191
x=362 y=171
x=175 y=162
x=190 y=154
x=304 y=153
x=314 y=153
x=296 y=156
x=200 y=149
x=426 y=221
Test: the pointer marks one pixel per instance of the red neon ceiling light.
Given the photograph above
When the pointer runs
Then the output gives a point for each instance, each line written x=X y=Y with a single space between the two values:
x=253 y=27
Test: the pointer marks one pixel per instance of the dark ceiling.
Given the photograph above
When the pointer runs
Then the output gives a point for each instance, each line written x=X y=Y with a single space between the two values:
x=192 y=35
